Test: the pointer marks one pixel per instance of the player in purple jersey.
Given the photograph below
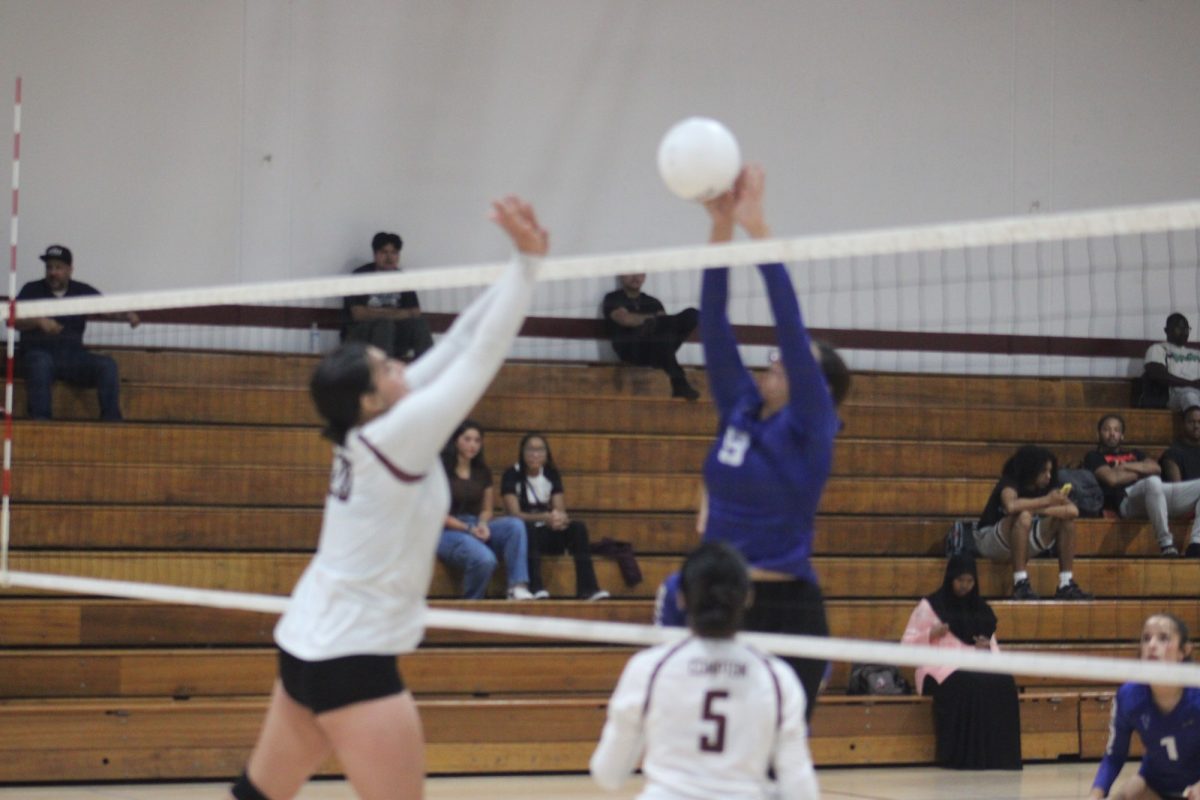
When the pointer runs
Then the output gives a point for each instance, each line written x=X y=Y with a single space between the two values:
x=774 y=448
x=1167 y=719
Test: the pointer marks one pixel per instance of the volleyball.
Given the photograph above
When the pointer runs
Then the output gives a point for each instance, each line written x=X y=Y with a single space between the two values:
x=698 y=158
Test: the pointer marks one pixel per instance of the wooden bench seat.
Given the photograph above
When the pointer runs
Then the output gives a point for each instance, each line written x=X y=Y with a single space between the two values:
x=86 y=622
x=612 y=378
x=234 y=528
x=840 y=577
x=146 y=444
x=530 y=669
x=591 y=414
x=131 y=739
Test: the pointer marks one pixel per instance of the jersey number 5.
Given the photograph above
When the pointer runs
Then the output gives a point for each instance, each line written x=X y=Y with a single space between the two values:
x=734 y=445
x=715 y=743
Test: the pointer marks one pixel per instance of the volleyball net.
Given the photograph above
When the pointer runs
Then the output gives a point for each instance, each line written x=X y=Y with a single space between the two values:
x=210 y=492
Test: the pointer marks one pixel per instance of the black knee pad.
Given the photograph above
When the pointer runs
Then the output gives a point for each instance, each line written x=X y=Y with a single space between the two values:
x=245 y=790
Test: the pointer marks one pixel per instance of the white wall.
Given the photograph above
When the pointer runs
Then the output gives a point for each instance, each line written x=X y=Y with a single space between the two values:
x=175 y=143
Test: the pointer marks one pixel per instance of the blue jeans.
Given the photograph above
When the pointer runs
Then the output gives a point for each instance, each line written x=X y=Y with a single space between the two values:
x=73 y=365
x=477 y=560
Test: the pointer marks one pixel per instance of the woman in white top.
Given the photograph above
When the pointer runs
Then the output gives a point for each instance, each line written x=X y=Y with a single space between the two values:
x=361 y=601
x=712 y=716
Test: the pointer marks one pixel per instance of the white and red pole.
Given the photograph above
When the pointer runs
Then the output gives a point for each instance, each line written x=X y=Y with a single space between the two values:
x=6 y=484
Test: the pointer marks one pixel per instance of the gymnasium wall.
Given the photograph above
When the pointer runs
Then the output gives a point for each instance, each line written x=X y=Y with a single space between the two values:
x=173 y=143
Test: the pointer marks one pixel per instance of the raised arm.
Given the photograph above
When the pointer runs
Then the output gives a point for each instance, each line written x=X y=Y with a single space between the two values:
x=807 y=391
x=728 y=379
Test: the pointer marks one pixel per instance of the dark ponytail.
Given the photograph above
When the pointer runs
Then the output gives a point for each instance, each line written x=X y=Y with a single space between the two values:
x=715 y=583
x=337 y=386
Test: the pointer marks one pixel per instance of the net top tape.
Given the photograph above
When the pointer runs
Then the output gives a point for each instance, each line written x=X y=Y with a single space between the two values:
x=1107 y=670
x=925 y=238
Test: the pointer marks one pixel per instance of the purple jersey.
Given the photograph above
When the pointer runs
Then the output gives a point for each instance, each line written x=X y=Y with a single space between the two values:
x=765 y=476
x=1172 y=741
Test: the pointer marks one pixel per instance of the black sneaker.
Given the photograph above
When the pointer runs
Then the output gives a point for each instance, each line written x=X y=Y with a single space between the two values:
x=1071 y=592
x=1023 y=590
x=1193 y=550
x=1168 y=550
x=685 y=390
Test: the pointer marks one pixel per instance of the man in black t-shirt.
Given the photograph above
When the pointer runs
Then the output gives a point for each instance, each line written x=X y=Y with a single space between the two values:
x=643 y=333
x=1133 y=488
x=1181 y=468
x=391 y=321
x=52 y=348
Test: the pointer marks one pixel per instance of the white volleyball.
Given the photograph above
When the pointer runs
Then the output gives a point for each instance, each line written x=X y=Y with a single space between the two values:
x=698 y=158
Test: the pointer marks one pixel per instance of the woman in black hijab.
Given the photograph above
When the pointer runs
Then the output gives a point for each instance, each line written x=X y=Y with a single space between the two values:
x=977 y=715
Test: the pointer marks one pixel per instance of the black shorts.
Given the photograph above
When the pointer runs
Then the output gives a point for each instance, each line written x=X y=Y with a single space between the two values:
x=792 y=607
x=322 y=686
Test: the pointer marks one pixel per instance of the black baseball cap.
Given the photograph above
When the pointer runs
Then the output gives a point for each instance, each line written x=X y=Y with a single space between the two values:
x=383 y=239
x=56 y=252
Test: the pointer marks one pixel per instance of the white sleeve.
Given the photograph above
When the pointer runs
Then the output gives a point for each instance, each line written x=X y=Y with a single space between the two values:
x=623 y=738
x=1156 y=354
x=446 y=382
x=796 y=779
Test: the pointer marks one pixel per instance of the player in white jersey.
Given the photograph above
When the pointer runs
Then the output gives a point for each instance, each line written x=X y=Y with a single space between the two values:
x=361 y=601
x=711 y=718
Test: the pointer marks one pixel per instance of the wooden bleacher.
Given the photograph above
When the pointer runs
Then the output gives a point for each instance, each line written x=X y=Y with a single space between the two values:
x=217 y=478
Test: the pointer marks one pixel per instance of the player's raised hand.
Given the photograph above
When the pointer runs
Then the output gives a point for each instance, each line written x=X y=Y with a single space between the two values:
x=519 y=221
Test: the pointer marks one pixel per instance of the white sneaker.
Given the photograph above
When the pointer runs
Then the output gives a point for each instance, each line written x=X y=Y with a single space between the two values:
x=600 y=594
x=541 y=594
x=520 y=593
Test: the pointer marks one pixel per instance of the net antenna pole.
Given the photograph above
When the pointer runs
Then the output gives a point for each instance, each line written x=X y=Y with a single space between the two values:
x=6 y=488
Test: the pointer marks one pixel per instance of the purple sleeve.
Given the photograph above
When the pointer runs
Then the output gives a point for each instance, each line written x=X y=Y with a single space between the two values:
x=809 y=395
x=728 y=379
x=1116 y=751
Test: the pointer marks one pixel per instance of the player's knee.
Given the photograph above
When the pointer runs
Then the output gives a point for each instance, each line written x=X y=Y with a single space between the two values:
x=1154 y=485
x=244 y=789
x=1023 y=521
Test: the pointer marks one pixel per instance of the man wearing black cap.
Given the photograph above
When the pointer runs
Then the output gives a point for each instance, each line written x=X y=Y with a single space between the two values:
x=52 y=347
x=391 y=321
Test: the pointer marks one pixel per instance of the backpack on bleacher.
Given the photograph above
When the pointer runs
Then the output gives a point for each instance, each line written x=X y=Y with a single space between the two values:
x=961 y=538
x=1086 y=493
x=876 y=679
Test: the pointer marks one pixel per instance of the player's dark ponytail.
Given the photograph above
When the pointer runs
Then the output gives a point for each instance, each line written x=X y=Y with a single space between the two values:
x=337 y=386
x=715 y=583
x=837 y=374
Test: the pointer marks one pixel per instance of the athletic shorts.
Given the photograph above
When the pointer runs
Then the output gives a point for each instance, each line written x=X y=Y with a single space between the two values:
x=792 y=607
x=992 y=543
x=322 y=686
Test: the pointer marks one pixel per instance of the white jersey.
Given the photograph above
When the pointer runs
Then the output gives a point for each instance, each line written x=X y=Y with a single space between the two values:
x=1182 y=362
x=712 y=716
x=364 y=591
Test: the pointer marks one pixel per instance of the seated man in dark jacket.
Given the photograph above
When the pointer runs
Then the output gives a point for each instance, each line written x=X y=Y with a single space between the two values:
x=52 y=348
x=643 y=333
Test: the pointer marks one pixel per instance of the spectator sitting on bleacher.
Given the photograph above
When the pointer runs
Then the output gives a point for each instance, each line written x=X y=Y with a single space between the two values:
x=1133 y=488
x=977 y=716
x=643 y=333
x=391 y=321
x=532 y=490
x=1181 y=467
x=472 y=539
x=1175 y=366
x=1029 y=515
x=52 y=347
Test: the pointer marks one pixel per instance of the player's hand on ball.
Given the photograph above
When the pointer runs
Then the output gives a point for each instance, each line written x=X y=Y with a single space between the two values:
x=748 y=192
x=519 y=221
